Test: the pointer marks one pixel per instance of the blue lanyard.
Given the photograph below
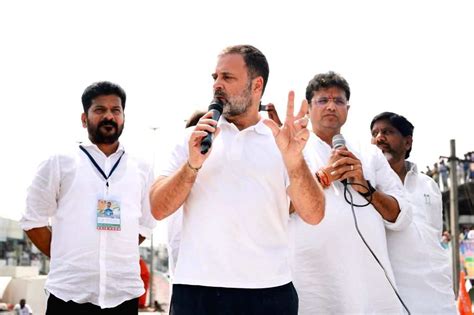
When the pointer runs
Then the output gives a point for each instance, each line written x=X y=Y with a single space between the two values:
x=98 y=167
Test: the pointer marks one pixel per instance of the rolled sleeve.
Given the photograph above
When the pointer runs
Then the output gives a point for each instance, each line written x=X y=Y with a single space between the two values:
x=404 y=218
x=42 y=195
x=178 y=155
x=389 y=183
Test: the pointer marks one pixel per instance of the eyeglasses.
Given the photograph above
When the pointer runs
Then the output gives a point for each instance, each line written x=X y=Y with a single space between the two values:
x=323 y=101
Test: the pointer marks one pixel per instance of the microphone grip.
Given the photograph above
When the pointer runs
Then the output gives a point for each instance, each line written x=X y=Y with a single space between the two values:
x=206 y=142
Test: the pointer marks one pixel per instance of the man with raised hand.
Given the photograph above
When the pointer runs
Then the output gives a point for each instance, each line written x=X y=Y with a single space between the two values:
x=234 y=251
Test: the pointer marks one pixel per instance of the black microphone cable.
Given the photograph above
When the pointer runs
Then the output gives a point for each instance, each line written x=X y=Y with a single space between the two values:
x=346 y=190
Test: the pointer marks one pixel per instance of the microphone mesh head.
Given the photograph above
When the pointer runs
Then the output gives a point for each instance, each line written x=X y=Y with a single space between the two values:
x=217 y=105
x=338 y=141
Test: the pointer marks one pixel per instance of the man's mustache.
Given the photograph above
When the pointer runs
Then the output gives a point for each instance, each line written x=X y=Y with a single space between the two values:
x=220 y=94
x=108 y=123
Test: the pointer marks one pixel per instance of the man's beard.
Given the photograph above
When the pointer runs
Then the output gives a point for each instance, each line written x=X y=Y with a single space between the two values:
x=390 y=154
x=97 y=136
x=236 y=105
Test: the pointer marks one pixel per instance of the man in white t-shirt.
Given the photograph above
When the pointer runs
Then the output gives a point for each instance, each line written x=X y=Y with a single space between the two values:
x=22 y=308
x=234 y=251
x=420 y=264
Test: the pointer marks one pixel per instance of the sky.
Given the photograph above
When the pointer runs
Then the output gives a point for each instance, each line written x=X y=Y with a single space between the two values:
x=414 y=58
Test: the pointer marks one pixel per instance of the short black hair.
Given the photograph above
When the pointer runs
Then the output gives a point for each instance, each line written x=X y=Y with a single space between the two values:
x=398 y=122
x=102 y=88
x=326 y=81
x=255 y=61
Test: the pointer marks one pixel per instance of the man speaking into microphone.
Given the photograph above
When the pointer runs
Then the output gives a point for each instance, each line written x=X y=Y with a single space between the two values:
x=234 y=252
x=334 y=271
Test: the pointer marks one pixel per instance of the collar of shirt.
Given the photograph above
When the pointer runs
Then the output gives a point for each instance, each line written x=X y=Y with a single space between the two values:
x=91 y=146
x=328 y=148
x=411 y=167
x=259 y=127
x=412 y=171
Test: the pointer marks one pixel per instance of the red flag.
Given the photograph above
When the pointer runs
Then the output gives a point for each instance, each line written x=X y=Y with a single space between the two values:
x=464 y=301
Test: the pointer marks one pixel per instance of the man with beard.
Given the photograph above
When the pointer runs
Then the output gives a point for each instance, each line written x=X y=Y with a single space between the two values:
x=420 y=264
x=94 y=266
x=334 y=270
x=234 y=254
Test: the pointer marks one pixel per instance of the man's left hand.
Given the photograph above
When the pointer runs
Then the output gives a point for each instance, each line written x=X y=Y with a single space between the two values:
x=293 y=135
x=349 y=167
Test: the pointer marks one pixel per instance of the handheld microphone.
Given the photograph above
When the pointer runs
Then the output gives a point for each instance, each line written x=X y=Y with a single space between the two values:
x=216 y=108
x=337 y=142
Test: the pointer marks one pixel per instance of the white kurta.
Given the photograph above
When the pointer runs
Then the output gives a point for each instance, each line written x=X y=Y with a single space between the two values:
x=334 y=273
x=420 y=263
x=90 y=265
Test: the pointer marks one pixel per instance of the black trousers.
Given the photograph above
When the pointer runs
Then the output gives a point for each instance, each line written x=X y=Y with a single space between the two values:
x=199 y=300
x=57 y=306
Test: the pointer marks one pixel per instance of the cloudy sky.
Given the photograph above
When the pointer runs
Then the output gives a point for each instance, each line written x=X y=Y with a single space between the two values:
x=411 y=57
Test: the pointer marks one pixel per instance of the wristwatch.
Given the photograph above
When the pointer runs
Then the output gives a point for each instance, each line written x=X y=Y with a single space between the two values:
x=369 y=192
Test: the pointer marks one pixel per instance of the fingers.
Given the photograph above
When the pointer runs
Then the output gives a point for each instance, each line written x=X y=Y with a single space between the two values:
x=352 y=175
x=273 y=126
x=346 y=153
x=196 y=137
x=195 y=155
x=303 y=109
x=344 y=172
x=207 y=115
x=206 y=123
x=270 y=107
x=347 y=171
x=345 y=161
x=302 y=135
x=290 y=107
x=204 y=127
x=301 y=123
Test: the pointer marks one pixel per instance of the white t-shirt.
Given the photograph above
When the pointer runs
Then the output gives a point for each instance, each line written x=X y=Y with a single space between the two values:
x=26 y=310
x=235 y=218
x=420 y=264
x=334 y=272
x=90 y=265
x=174 y=224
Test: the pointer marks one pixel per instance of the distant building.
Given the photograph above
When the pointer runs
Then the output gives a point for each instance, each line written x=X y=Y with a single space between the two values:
x=11 y=242
x=17 y=250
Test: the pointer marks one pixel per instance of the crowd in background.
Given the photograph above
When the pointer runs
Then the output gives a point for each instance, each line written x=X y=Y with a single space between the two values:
x=440 y=171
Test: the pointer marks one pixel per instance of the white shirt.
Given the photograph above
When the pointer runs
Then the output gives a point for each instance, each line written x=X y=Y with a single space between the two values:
x=236 y=216
x=334 y=272
x=174 y=224
x=26 y=310
x=420 y=263
x=90 y=265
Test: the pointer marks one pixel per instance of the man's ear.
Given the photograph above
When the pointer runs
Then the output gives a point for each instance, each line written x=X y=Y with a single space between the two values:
x=408 y=142
x=84 y=120
x=258 y=84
